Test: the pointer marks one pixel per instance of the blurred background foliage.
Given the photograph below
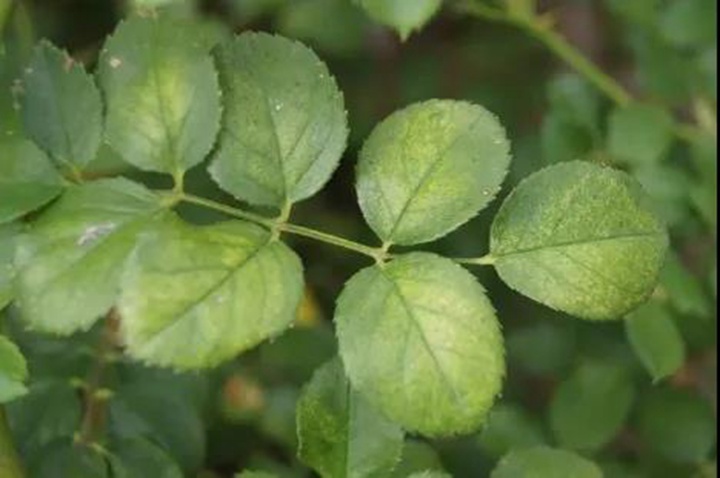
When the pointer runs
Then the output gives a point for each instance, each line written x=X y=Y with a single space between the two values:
x=637 y=396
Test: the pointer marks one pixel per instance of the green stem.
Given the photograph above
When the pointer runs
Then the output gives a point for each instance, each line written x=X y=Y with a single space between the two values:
x=375 y=253
x=229 y=210
x=539 y=27
x=10 y=466
x=281 y=226
x=487 y=260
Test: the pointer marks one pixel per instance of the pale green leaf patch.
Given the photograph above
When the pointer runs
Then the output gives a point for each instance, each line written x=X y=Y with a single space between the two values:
x=161 y=92
x=402 y=15
x=655 y=339
x=579 y=238
x=193 y=297
x=420 y=340
x=61 y=108
x=640 y=135
x=8 y=232
x=13 y=371
x=28 y=179
x=70 y=260
x=341 y=435
x=429 y=168
x=284 y=125
x=544 y=462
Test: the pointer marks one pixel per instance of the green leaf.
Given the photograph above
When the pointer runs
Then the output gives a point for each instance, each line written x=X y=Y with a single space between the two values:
x=689 y=23
x=8 y=232
x=255 y=474
x=138 y=457
x=70 y=262
x=577 y=102
x=563 y=140
x=656 y=340
x=590 y=407
x=510 y=427
x=49 y=411
x=284 y=126
x=27 y=179
x=69 y=459
x=13 y=371
x=416 y=456
x=430 y=474
x=542 y=348
x=421 y=326
x=401 y=15
x=340 y=434
x=162 y=94
x=579 y=238
x=640 y=135
x=677 y=425
x=429 y=168
x=193 y=297
x=167 y=419
x=61 y=107
x=543 y=462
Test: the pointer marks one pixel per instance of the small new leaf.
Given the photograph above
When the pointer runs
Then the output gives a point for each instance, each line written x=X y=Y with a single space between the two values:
x=284 y=126
x=341 y=435
x=544 y=462
x=193 y=297
x=70 y=261
x=429 y=168
x=161 y=90
x=421 y=326
x=27 y=179
x=579 y=238
x=13 y=371
x=61 y=107
x=655 y=339
x=402 y=15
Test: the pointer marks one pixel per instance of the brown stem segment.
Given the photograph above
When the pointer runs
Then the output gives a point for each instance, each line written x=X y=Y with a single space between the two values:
x=95 y=402
x=10 y=466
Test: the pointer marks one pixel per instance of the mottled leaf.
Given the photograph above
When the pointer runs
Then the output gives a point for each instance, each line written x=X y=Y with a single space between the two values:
x=341 y=435
x=421 y=326
x=579 y=238
x=193 y=297
x=70 y=261
x=161 y=91
x=284 y=127
x=61 y=107
x=429 y=168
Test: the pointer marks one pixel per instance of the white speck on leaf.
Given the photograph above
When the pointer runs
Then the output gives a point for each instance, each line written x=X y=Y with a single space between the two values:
x=93 y=233
x=114 y=62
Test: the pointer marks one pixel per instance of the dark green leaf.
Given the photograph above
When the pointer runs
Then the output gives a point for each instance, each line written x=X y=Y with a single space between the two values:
x=193 y=297
x=27 y=179
x=70 y=262
x=162 y=94
x=417 y=456
x=509 y=427
x=590 y=407
x=429 y=168
x=8 y=232
x=341 y=435
x=542 y=462
x=139 y=457
x=421 y=326
x=678 y=425
x=656 y=340
x=63 y=458
x=684 y=289
x=579 y=238
x=690 y=23
x=61 y=108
